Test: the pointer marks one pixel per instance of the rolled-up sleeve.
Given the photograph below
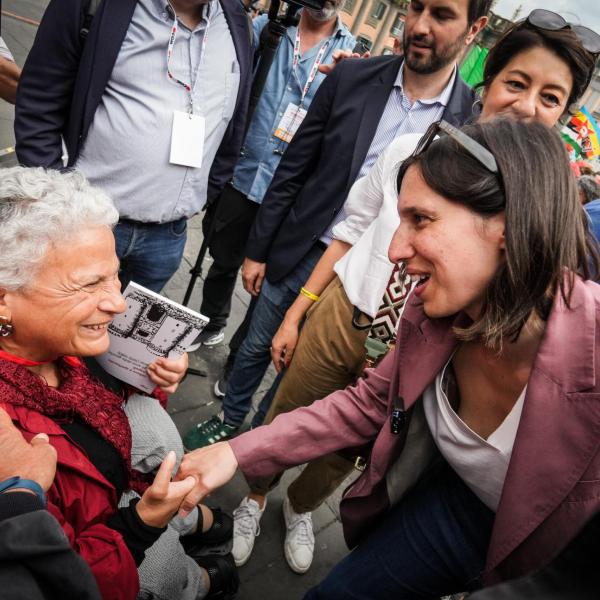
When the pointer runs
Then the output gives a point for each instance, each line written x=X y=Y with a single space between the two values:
x=362 y=205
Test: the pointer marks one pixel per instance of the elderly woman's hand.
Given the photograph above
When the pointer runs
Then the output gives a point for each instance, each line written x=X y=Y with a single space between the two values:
x=166 y=373
x=162 y=499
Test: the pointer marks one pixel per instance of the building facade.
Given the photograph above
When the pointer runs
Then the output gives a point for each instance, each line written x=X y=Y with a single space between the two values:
x=375 y=23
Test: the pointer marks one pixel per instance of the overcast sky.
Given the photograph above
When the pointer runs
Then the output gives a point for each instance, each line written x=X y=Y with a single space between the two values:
x=585 y=12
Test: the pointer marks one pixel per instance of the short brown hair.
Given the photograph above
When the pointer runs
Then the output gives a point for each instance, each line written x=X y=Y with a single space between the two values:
x=547 y=235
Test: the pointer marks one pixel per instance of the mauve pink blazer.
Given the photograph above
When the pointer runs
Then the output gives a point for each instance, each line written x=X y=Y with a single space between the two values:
x=552 y=487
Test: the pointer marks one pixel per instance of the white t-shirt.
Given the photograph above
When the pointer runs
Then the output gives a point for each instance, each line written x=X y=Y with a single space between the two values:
x=481 y=464
x=371 y=220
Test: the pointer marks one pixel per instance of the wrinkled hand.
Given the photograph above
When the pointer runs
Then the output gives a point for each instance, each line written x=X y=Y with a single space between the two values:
x=253 y=274
x=162 y=499
x=35 y=460
x=212 y=467
x=167 y=373
x=338 y=56
x=283 y=344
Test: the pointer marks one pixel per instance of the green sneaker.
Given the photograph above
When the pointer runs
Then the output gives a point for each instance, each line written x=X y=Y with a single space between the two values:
x=208 y=432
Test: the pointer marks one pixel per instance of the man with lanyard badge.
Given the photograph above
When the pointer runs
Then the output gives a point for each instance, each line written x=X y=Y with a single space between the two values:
x=151 y=106
x=293 y=79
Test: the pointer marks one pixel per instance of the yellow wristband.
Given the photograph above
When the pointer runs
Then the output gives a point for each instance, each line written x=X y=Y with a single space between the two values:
x=308 y=294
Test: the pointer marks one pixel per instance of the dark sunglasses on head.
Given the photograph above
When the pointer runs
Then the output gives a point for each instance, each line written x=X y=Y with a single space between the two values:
x=551 y=21
x=475 y=149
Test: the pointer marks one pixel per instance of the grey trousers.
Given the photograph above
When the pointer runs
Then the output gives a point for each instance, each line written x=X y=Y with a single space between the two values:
x=167 y=572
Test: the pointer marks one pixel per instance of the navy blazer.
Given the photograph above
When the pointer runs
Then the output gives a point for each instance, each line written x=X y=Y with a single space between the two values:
x=63 y=81
x=322 y=161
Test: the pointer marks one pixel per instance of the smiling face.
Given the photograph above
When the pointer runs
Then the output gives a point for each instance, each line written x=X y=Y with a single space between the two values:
x=533 y=86
x=67 y=308
x=435 y=33
x=453 y=251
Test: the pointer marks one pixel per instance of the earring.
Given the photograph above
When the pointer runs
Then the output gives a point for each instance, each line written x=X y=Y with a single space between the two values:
x=6 y=327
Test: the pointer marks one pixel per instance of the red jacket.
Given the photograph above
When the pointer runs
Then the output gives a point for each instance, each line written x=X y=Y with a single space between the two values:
x=82 y=500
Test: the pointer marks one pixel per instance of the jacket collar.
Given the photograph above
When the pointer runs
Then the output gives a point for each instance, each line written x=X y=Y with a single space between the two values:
x=424 y=347
x=69 y=455
x=558 y=432
x=374 y=98
x=461 y=104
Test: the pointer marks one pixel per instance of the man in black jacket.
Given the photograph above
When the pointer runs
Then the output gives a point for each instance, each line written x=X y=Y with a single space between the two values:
x=359 y=109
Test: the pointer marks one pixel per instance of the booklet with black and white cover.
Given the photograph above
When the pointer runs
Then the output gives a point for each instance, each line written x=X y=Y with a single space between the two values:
x=152 y=326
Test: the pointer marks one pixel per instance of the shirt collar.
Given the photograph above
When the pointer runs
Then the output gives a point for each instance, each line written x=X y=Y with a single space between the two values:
x=165 y=6
x=443 y=98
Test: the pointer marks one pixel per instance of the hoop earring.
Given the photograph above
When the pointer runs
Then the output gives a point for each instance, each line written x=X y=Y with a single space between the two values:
x=6 y=327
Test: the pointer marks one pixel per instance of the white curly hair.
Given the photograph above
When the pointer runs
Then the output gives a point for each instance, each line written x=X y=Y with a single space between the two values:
x=39 y=209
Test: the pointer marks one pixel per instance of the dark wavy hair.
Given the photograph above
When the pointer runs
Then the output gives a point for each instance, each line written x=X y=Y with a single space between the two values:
x=547 y=235
x=564 y=43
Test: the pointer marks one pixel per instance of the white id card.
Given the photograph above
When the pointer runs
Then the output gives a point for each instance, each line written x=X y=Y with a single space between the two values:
x=187 y=140
x=293 y=116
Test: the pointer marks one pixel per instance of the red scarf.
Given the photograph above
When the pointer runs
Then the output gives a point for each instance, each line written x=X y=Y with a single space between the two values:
x=79 y=395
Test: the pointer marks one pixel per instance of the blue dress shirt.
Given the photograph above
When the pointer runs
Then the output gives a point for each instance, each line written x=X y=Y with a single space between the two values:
x=262 y=151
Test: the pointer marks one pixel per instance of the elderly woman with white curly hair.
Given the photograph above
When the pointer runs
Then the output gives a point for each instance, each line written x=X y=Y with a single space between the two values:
x=59 y=291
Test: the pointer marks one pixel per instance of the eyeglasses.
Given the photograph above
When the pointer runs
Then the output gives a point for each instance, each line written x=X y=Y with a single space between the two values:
x=475 y=149
x=551 y=21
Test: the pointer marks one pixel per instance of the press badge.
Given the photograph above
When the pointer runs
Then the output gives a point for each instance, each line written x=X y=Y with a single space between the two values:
x=187 y=139
x=293 y=116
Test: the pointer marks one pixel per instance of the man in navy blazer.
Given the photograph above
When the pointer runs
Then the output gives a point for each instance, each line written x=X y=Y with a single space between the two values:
x=359 y=109
x=333 y=146
x=111 y=96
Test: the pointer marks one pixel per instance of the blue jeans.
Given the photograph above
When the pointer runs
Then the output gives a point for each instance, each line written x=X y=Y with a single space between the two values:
x=150 y=253
x=254 y=355
x=433 y=543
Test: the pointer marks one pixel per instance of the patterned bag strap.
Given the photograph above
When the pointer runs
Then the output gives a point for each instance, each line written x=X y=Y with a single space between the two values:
x=382 y=335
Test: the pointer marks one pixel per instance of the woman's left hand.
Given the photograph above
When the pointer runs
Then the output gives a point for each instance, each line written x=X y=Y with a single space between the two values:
x=166 y=373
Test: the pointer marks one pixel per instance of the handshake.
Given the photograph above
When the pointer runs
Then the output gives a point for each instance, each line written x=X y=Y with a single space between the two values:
x=200 y=472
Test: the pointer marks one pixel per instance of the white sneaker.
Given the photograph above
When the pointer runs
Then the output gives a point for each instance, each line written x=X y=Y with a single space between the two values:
x=246 y=527
x=299 y=545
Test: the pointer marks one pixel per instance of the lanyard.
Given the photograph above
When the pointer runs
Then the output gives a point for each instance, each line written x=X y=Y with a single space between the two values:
x=172 y=37
x=315 y=67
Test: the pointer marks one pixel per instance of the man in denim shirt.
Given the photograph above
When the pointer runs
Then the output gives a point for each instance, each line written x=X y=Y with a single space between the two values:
x=291 y=84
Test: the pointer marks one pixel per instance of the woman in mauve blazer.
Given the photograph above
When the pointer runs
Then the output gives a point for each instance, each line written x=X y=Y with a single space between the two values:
x=492 y=229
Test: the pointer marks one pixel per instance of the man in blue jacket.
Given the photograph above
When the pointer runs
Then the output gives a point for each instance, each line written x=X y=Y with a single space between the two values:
x=151 y=106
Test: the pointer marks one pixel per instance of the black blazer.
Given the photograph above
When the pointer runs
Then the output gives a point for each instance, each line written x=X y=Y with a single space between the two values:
x=63 y=81
x=322 y=161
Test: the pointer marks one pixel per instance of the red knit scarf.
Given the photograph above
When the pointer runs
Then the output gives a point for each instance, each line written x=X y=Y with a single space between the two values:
x=79 y=395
